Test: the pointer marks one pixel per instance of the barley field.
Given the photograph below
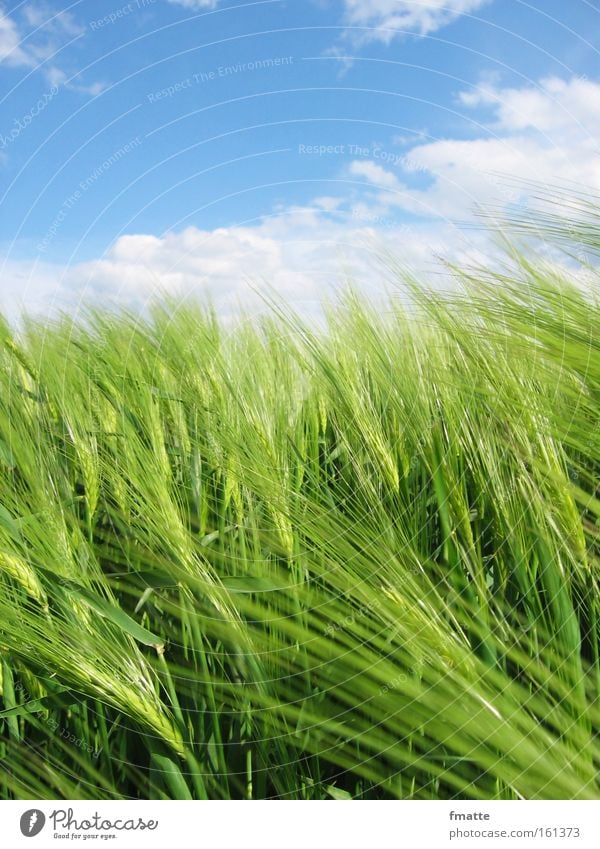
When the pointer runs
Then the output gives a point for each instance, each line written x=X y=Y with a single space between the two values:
x=274 y=559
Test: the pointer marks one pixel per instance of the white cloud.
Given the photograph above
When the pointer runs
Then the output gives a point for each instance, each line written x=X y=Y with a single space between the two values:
x=35 y=39
x=302 y=254
x=547 y=134
x=556 y=105
x=196 y=4
x=41 y=34
x=57 y=78
x=374 y=173
x=419 y=16
x=11 y=50
x=327 y=203
x=42 y=16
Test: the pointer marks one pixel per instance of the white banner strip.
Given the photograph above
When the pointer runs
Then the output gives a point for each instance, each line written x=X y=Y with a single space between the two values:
x=305 y=825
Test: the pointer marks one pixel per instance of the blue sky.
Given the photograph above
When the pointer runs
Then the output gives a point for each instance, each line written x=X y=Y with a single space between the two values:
x=199 y=146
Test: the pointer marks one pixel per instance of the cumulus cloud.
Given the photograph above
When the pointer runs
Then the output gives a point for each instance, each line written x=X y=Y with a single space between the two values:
x=388 y=19
x=374 y=173
x=556 y=105
x=546 y=133
x=303 y=254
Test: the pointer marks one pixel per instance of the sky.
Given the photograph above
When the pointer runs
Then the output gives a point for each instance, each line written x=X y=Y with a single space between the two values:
x=213 y=148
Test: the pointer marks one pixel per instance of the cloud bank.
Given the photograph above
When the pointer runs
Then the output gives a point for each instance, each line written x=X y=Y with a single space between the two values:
x=547 y=133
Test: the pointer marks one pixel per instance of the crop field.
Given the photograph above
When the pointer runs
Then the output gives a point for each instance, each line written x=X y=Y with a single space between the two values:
x=275 y=560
